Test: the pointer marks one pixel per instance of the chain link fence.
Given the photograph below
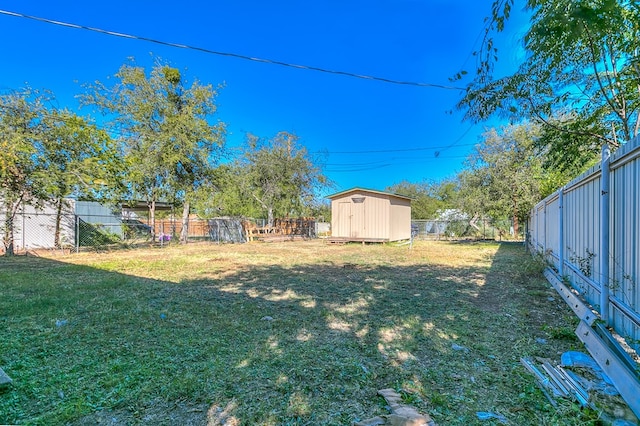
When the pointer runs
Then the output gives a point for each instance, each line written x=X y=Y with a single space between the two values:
x=34 y=231
x=461 y=229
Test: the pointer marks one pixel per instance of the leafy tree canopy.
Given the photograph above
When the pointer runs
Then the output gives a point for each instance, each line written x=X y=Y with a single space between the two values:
x=280 y=175
x=22 y=177
x=428 y=198
x=582 y=59
x=504 y=175
x=168 y=142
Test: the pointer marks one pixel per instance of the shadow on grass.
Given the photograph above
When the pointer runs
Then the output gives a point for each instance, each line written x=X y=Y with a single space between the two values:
x=307 y=344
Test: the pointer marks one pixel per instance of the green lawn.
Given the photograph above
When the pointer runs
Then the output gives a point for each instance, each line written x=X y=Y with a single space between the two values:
x=278 y=334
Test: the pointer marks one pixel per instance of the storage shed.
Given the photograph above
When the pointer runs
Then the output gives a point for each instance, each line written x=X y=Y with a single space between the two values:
x=367 y=215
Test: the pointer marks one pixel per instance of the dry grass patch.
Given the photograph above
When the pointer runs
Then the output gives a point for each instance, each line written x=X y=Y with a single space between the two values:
x=273 y=334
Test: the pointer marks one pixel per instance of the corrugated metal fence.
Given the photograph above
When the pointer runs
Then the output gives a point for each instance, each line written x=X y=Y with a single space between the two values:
x=589 y=232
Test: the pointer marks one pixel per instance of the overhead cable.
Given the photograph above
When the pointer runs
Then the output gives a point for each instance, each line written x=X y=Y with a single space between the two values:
x=229 y=54
x=377 y=151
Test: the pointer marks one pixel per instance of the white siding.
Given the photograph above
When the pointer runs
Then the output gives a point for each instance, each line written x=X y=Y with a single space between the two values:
x=34 y=228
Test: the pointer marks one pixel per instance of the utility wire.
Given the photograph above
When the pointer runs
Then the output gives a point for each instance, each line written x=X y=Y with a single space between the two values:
x=456 y=141
x=395 y=150
x=229 y=54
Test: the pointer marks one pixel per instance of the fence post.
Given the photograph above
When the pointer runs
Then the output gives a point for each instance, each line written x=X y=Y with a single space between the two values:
x=77 y=223
x=604 y=234
x=544 y=231
x=561 y=232
x=24 y=233
x=534 y=240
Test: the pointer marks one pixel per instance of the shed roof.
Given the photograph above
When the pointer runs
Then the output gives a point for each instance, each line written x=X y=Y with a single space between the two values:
x=341 y=193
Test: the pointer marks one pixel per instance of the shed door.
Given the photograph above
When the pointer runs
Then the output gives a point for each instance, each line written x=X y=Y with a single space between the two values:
x=343 y=224
x=357 y=220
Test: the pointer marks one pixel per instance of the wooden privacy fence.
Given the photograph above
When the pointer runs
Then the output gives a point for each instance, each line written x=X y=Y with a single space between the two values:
x=198 y=228
x=283 y=229
x=237 y=230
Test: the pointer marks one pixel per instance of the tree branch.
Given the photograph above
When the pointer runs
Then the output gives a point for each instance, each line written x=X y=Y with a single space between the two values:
x=573 y=132
x=597 y=75
x=264 y=206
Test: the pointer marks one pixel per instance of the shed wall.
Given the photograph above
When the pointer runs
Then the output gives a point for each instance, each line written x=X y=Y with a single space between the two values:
x=400 y=219
x=366 y=219
x=378 y=216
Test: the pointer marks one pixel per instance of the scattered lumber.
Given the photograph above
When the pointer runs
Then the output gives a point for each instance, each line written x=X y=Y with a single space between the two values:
x=283 y=229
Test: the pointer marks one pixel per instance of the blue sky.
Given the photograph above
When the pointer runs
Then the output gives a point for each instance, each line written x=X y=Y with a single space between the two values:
x=374 y=134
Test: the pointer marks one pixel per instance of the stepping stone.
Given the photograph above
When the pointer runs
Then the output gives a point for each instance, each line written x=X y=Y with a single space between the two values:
x=401 y=414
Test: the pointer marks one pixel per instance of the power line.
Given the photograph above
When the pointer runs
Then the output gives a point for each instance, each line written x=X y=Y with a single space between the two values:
x=456 y=141
x=377 y=151
x=390 y=162
x=229 y=54
x=357 y=169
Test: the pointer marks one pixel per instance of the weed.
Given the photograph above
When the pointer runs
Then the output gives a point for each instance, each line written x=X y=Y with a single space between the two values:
x=560 y=332
x=584 y=263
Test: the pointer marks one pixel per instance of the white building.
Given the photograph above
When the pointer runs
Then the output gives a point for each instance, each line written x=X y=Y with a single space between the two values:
x=34 y=228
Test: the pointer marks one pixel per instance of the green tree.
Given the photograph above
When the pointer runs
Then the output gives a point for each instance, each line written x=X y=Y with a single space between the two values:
x=168 y=143
x=21 y=174
x=582 y=59
x=421 y=203
x=280 y=175
x=321 y=210
x=194 y=144
x=228 y=194
x=504 y=174
x=566 y=153
x=80 y=160
x=428 y=198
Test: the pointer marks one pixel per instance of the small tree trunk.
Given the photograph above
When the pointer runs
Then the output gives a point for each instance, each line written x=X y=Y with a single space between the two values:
x=152 y=219
x=184 y=232
x=56 y=237
x=516 y=226
x=270 y=217
x=8 y=233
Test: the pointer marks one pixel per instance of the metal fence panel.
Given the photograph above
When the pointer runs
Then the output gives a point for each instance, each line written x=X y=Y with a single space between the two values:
x=35 y=228
x=550 y=230
x=581 y=236
x=602 y=266
x=625 y=236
